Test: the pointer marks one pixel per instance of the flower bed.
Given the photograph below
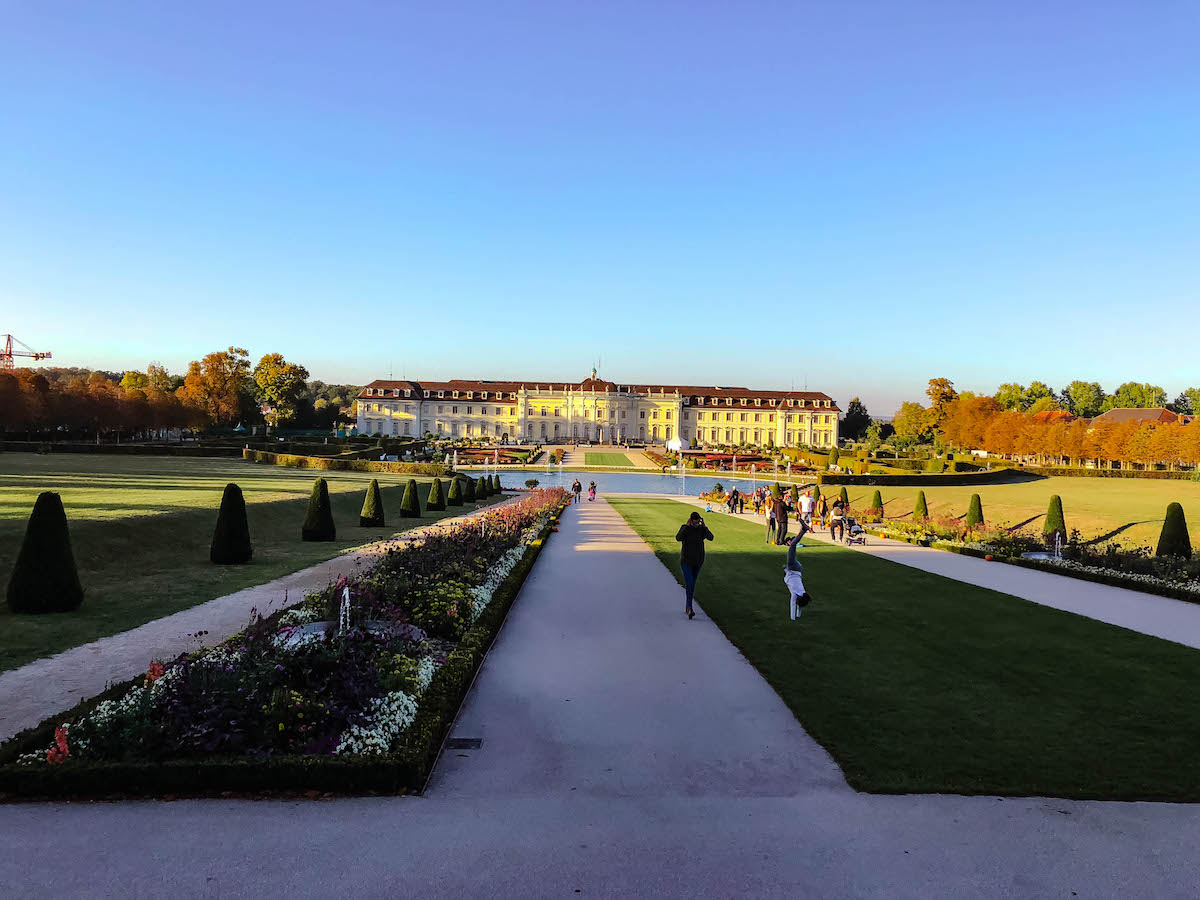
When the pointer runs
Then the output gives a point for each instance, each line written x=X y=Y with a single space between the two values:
x=353 y=465
x=327 y=695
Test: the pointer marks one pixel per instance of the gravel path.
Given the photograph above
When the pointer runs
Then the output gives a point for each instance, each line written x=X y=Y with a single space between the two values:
x=46 y=686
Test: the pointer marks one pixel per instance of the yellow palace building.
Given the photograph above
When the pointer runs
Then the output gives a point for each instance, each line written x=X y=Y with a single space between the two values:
x=597 y=410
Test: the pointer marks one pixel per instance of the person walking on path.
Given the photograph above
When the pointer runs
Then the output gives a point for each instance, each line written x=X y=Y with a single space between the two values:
x=591 y=491
x=576 y=489
x=822 y=510
x=770 y=520
x=806 y=508
x=837 y=524
x=691 y=535
x=791 y=576
x=781 y=521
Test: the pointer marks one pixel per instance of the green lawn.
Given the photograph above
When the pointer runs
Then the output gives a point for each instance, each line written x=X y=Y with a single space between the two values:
x=917 y=683
x=141 y=528
x=1131 y=507
x=606 y=459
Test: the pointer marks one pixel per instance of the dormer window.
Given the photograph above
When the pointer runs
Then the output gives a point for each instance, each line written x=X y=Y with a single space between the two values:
x=427 y=393
x=454 y=395
x=685 y=401
x=758 y=401
x=729 y=401
x=396 y=392
x=743 y=401
x=407 y=392
x=441 y=394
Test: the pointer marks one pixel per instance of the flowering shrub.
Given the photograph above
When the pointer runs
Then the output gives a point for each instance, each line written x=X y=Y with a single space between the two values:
x=307 y=681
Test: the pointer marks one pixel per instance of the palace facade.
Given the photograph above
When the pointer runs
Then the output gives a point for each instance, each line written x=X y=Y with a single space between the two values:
x=597 y=410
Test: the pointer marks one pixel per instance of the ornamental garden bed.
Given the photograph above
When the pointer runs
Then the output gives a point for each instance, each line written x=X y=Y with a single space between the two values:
x=350 y=691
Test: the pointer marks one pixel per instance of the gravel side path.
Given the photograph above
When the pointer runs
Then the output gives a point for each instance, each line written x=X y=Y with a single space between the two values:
x=56 y=683
x=1161 y=617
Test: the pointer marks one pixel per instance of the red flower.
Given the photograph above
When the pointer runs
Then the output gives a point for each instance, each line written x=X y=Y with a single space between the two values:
x=154 y=673
x=59 y=751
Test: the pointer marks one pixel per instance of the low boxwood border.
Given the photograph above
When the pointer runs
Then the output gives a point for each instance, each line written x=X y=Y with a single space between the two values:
x=404 y=771
x=1114 y=580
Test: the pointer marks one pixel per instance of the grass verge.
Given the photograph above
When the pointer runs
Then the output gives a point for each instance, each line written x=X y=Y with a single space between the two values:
x=918 y=683
x=606 y=459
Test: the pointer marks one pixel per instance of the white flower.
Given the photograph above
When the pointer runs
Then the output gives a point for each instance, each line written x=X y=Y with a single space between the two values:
x=388 y=716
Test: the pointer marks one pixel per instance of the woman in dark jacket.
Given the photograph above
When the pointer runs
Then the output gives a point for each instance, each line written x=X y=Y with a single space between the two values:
x=692 y=535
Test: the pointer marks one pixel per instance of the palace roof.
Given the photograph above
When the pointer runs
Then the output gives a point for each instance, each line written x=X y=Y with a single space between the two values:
x=1128 y=414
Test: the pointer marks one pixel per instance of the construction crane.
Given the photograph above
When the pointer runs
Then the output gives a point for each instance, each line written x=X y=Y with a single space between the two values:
x=6 y=356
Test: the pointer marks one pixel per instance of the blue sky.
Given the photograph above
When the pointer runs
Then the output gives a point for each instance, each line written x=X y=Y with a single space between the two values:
x=861 y=195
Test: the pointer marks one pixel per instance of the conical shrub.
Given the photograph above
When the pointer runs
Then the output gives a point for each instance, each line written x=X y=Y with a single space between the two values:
x=371 y=515
x=318 y=524
x=410 y=504
x=44 y=578
x=454 y=496
x=794 y=494
x=877 y=501
x=834 y=456
x=974 y=512
x=1174 y=540
x=468 y=489
x=482 y=488
x=816 y=493
x=844 y=497
x=231 y=538
x=921 y=510
x=1055 y=524
x=777 y=491
x=436 y=499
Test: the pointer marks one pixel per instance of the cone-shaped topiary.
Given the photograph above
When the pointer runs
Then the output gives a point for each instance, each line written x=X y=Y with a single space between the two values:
x=921 y=510
x=371 y=515
x=816 y=493
x=483 y=488
x=844 y=497
x=454 y=495
x=468 y=489
x=410 y=505
x=1055 y=524
x=794 y=493
x=44 y=578
x=776 y=491
x=435 y=500
x=231 y=538
x=834 y=456
x=974 y=512
x=877 y=501
x=495 y=484
x=318 y=524
x=1174 y=540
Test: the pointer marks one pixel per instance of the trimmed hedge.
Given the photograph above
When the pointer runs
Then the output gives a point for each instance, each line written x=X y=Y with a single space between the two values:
x=1080 y=472
x=405 y=771
x=189 y=449
x=410 y=505
x=436 y=500
x=965 y=479
x=231 y=544
x=318 y=522
x=371 y=515
x=348 y=465
x=454 y=495
x=1174 y=540
x=44 y=578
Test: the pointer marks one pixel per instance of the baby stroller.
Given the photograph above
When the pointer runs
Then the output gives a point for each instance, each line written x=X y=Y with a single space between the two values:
x=854 y=532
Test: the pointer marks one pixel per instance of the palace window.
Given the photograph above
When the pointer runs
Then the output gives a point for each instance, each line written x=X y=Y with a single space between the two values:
x=743 y=401
x=643 y=413
x=441 y=394
x=742 y=417
x=654 y=414
x=668 y=414
x=441 y=409
x=454 y=396
x=544 y=411
x=728 y=417
x=427 y=394
x=758 y=417
x=454 y=410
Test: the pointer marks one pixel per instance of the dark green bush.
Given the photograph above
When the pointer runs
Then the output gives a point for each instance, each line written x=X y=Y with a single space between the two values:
x=410 y=505
x=974 y=512
x=877 y=501
x=44 y=578
x=231 y=538
x=776 y=491
x=483 y=488
x=454 y=496
x=371 y=515
x=318 y=523
x=816 y=493
x=1055 y=524
x=833 y=457
x=844 y=497
x=468 y=489
x=921 y=510
x=436 y=499
x=1174 y=540
x=935 y=466
x=496 y=484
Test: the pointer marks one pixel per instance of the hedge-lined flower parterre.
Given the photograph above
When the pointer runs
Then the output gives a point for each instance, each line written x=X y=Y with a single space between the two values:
x=265 y=694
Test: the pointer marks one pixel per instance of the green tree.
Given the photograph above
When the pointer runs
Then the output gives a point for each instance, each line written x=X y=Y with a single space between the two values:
x=777 y=491
x=1055 y=523
x=1042 y=404
x=834 y=456
x=279 y=385
x=435 y=500
x=877 y=501
x=1084 y=398
x=844 y=496
x=371 y=515
x=874 y=435
x=1188 y=402
x=231 y=544
x=1174 y=539
x=1132 y=395
x=816 y=494
x=974 y=512
x=410 y=504
x=921 y=510
x=1010 y=396
x=912 y=423
x=135 y=381
x=318 y=522
x=856 y=420
x=160 y=379
x=1038 y=390
x=693 y=443
x=44 y=578
x=454 y=497
x=532 y=483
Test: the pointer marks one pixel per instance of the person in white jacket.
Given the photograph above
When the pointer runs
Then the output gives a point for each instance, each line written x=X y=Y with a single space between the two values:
x=792 y=577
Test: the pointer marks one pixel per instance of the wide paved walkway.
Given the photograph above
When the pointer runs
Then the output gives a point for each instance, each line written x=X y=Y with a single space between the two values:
x=1162 y=617
x=47 y=686
x=626 y=752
